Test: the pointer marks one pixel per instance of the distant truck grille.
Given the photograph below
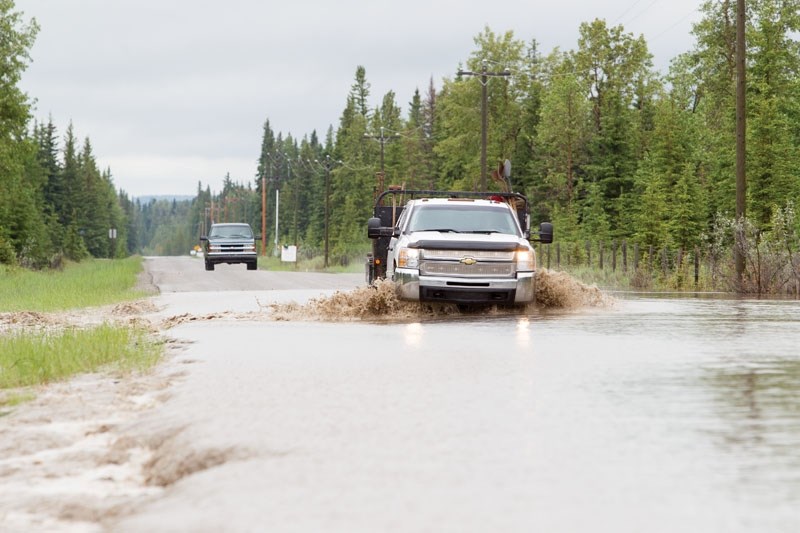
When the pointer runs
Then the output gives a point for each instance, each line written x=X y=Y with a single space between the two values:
x=228 y=248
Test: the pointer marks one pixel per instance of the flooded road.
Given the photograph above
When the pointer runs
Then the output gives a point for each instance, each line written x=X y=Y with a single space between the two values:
x=658 y=414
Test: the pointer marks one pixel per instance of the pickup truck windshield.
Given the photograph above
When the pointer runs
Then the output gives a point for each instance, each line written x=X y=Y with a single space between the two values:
x=242 y=232
x=463 y=219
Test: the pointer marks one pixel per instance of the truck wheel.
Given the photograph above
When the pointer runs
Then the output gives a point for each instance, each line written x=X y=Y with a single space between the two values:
x=209 y=266
x=252 y=266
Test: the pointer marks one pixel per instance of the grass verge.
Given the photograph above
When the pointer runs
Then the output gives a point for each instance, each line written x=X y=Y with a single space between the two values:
x=13 y=400
x=86 y=284
x=314 y=264
x=37 y=358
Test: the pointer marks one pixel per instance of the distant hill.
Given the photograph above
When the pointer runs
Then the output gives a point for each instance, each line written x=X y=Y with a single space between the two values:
x=167 y=197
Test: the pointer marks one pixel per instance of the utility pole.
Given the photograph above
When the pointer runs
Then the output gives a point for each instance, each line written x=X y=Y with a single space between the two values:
x=484 y=80
x=295 y=194
x=264 y=213
x=328 y=166
x=382 y=139
x=277 y=181
x=277 y=217
x=741 y=130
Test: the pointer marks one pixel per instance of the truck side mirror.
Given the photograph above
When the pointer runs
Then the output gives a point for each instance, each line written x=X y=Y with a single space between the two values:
x=545 y=233
x=374 y=228
x=204 y=238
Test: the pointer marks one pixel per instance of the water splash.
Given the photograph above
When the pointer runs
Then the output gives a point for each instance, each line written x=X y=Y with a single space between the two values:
x=560 y=290
x=380 y=302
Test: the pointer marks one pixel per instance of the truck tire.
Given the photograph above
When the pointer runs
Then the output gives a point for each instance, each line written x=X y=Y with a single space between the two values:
x=252 y=266
x=209 y=266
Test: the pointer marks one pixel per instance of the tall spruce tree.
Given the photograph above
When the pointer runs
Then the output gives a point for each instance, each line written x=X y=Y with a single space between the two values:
x=615 y=68
x=21 y=201
x=774 y=107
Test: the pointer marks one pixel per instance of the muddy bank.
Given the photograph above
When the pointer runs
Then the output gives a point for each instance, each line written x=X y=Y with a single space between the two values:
x=126 y=313
x=56 y=469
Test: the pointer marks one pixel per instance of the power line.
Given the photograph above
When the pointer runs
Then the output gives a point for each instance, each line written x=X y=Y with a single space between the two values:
x=642 y=12
x=484 y=81
x=670 y=28
x=382 y=139
x=626 y=11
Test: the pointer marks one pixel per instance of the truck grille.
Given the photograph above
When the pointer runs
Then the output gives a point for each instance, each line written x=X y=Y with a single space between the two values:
x=468 y=263
x=480 y=255
x=451 y=268
x=232 y=248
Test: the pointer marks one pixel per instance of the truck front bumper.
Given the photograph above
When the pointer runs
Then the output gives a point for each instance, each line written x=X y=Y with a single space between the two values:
x=413 y=287
x=231 y=258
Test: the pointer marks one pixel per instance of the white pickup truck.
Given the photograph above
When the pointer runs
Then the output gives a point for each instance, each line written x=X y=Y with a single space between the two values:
x=457 y=247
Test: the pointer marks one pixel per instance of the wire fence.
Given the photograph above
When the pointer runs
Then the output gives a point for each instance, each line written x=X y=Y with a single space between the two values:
x=697 y=268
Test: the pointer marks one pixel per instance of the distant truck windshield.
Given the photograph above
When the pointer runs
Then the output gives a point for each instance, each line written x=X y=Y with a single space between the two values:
x=231 y=231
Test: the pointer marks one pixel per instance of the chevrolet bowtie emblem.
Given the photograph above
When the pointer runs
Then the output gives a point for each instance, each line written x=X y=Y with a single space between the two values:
x=469 y=260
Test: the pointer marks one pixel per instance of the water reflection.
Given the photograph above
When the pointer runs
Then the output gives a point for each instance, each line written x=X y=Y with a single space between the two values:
x=758 y=405
x=412 y=334
x=523 y=332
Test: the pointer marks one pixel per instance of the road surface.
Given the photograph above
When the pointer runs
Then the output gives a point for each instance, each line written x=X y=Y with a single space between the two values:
x=655 y=415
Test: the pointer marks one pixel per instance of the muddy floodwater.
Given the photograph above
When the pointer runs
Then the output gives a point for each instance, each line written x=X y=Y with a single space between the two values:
x=648 y=414
x=652 y=414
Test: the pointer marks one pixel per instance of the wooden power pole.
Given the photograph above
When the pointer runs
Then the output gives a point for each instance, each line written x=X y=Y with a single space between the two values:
x=741 y=131
x=484 y=77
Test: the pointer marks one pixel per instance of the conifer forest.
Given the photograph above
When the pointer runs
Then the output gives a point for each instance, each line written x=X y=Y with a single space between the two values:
x=605 y=146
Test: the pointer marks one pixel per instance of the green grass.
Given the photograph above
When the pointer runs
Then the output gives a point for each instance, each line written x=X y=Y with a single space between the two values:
x=14 y=399
x=314 y=264
x=605 y=279
x=37 y=358
x=86 y=284
x=681 y=280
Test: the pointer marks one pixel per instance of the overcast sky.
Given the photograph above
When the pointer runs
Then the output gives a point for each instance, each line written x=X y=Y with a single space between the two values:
x=172 y=92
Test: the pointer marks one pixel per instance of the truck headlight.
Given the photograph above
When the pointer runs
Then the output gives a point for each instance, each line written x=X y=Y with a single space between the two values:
x=408 y=258
x=525 y=260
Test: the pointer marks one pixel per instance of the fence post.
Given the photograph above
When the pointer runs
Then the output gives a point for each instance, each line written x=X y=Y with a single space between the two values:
x=624 y=257
x=635 y=256
x=588 y=254
x=664 y=264
x=650 y=261
x=600 y=252
x=613 y=256
x=696 y=266
x=558 y=255
x=548 y=257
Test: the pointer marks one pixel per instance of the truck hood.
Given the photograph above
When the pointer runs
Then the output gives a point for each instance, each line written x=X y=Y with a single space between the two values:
x=465 y=241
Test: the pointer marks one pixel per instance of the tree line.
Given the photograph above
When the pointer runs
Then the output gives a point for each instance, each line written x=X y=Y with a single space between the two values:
x=605 y=146
x=55 y=202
